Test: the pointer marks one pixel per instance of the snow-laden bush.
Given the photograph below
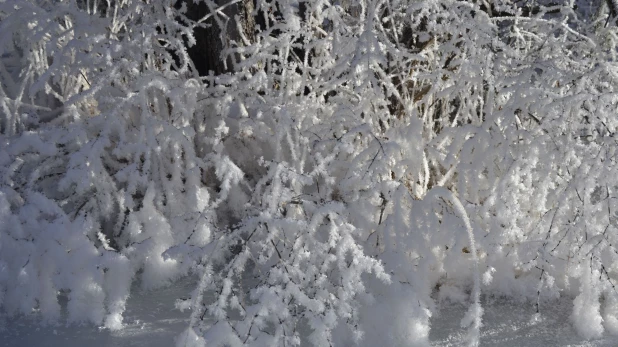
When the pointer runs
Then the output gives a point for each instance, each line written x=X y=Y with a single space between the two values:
x=98 y=163
x=360 y=161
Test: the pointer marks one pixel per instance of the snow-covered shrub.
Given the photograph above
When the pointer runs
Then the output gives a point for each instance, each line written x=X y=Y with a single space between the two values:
x=98 y=159
x=356 y=154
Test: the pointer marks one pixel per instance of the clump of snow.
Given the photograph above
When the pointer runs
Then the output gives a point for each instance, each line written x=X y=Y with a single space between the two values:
x=395 y=318
x=610 y=313
x=586 y=315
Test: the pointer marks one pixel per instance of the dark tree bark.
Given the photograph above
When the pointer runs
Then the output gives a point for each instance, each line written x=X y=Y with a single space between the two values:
x=218 y=33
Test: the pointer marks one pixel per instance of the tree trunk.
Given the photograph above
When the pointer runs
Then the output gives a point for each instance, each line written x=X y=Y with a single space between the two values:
x=213 y=38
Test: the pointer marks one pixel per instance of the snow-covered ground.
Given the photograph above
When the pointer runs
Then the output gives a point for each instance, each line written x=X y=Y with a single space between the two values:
x=152 y=321
x=509 y=324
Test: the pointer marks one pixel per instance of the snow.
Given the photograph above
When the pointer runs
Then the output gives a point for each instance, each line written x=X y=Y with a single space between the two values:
x=357 y=157
x=513 y=324
x=152 y=320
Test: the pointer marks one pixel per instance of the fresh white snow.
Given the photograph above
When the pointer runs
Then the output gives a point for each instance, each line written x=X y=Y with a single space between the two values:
x=348 y=150
x=152 y=321
x=512 y=324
